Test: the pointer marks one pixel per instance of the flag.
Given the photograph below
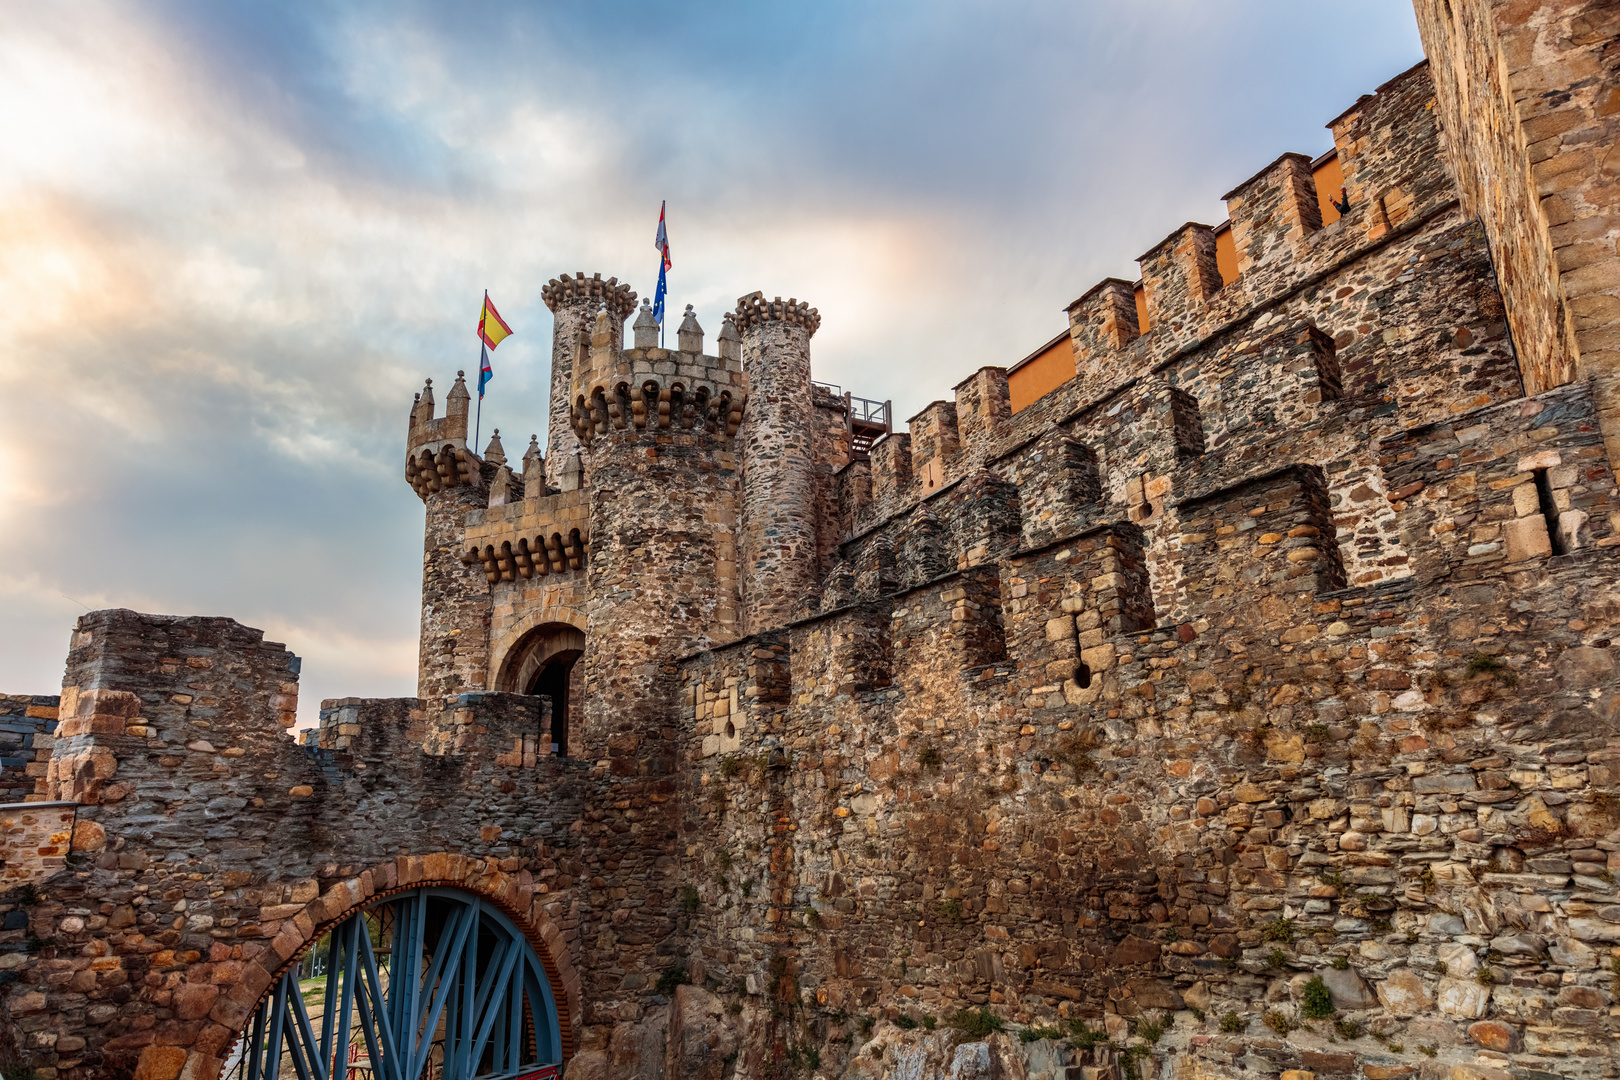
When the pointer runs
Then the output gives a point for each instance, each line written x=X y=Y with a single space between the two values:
x=491 y=327
x=492 y=330
x=661 y=242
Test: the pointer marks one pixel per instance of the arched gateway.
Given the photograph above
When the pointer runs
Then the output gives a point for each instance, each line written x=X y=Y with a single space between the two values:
x=428 y=983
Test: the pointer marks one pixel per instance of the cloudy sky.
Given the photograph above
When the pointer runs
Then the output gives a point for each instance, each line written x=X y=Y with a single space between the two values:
x=234 y=238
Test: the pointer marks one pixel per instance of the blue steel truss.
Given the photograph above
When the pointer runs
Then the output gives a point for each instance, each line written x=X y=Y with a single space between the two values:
x=430 y=984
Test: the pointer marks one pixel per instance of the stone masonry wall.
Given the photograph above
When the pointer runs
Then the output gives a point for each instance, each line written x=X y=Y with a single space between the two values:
x=27 y=724
x=210 y=848
x=1249 y=701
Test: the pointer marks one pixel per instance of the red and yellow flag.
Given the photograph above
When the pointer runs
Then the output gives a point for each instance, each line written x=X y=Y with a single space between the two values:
x=491 y=327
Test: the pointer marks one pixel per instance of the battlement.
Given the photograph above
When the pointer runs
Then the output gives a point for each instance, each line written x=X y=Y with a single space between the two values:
x=754 y=309
x=609 y=295
x=436 y=452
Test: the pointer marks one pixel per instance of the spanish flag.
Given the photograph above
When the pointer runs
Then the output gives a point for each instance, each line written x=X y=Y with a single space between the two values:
x=492 y=330
x=491 y=327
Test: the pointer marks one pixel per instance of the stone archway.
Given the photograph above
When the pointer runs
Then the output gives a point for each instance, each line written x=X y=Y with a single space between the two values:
x=293 y=931
x=419 y=981
x=543 y=662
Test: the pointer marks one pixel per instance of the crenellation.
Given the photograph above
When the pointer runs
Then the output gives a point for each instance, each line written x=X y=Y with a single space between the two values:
x=983 y=407
x=1180 y=276
x=1103 y=327
x=935 y=444
x=1272 y=213
x=1274 y=646
x=891 y=472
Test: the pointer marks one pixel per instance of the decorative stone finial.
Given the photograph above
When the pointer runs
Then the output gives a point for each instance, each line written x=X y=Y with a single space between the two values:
x=533 y=464
x=730 y=340
x=494 y=453
x=572 y=472
x=690 y=336
x=646 y=327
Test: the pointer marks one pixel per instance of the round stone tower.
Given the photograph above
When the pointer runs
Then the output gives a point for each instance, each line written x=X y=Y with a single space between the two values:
x=656 y=430
x=574 y=302
x=778 y=543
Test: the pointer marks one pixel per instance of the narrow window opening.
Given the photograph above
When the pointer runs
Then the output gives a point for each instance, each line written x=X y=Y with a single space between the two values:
x=731 y=730
x=1188 y=423
x=1549 y=511
x=1082 y=676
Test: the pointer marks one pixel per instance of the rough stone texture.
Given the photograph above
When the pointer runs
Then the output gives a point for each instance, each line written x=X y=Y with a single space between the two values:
x=1528 y=90
x=1275 y=646
x=27 y=730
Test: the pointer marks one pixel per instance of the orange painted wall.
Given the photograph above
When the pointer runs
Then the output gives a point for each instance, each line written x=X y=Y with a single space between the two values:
x=1329 y=179
x=1046 y=372
x=1226 y=255
x=1055 y=365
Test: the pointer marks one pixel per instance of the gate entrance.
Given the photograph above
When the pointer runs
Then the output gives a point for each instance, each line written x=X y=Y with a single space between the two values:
x=431 y=984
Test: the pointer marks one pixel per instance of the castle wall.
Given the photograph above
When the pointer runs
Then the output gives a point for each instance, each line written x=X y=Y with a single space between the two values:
x=209 y=848
x=27 y=728
x=1258 y=677
x=1406 y=776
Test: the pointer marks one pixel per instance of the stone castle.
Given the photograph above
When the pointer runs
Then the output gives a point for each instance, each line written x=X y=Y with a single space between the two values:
x=1243 y=705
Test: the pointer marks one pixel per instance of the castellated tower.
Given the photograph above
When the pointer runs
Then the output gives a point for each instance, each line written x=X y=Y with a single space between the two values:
x=454 y=648
x=657 y=432
x=574 y=302
x=779 y=483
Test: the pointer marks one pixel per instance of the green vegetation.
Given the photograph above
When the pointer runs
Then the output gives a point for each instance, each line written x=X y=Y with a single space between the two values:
x=1348 y=1029
x=976 y=1024
x=904 y=1022
x=1277 y=959
x=1036 y=1034
x=1084 y=1037
x=1316 y=1003
x=1279 y=1023
x=1233 y=1024
x=689 y=898
x=1279 y=930
x=1341 y=963
x=1151 y=1030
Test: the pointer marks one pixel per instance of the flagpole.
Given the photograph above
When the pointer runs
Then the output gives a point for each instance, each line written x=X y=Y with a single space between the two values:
x=478 y=420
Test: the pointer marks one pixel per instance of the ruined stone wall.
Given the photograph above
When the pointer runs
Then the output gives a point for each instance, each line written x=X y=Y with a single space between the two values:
x=27 y=727
x=210 y=849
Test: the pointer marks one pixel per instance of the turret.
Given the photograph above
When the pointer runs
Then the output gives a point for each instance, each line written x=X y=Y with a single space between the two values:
x=448 y=476
x=655 y=431
x=574 y=302
x=778 y=549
